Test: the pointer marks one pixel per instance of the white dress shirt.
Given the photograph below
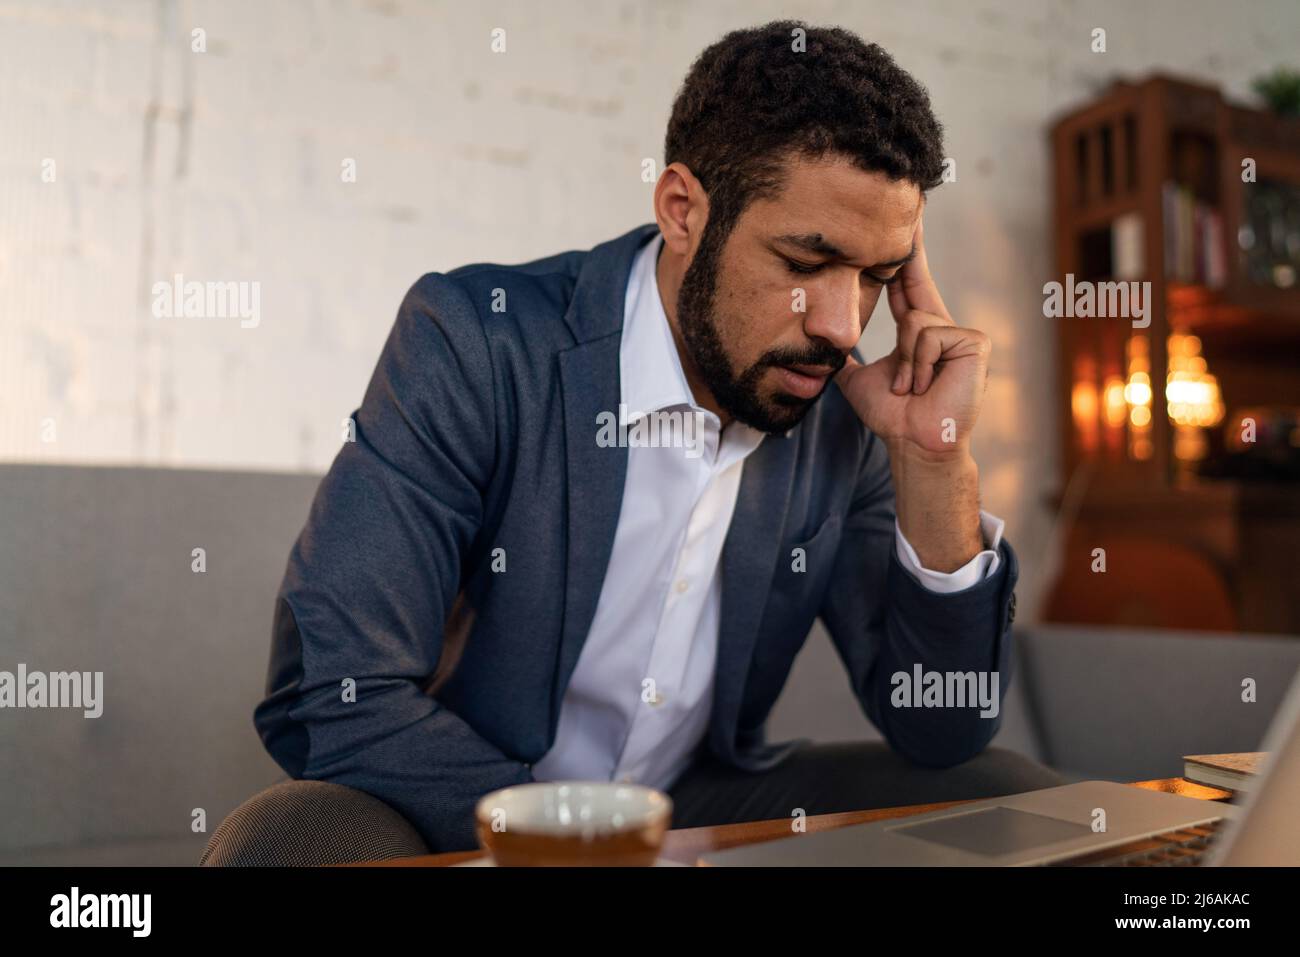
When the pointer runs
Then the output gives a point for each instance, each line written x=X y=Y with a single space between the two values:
x=641 y=693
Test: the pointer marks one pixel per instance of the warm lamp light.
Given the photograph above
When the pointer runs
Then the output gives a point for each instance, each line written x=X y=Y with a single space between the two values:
x=1113 y=400
x=1192 y=394
x=1084 y=407
x=1137 y=396
x=1138 y=390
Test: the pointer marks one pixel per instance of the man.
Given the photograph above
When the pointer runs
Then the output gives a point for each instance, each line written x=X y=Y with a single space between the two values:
x=503 y=580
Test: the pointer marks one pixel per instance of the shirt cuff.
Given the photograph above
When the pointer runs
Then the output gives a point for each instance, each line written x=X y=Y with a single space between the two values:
x=982 y=566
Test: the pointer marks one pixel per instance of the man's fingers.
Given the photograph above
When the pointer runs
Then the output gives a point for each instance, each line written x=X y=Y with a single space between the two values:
x=929 y=348
x=903 y=375
x=909 y=328
x=917 y=285
x=898 y=306
x=944 y=342
x=910 y=324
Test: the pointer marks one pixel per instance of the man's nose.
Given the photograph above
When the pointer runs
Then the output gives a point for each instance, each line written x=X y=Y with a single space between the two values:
x=834 y=316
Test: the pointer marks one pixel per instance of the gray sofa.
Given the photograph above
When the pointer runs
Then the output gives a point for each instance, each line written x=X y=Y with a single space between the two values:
x=96 y=575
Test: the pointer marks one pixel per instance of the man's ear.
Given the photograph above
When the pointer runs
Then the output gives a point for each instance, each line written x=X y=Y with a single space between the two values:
x=681 y=209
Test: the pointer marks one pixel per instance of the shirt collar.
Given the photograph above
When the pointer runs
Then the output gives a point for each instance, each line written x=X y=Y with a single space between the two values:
x=651 y=377
x=650 y=371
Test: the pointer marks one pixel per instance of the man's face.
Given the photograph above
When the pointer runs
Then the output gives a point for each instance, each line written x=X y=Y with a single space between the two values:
x=835 y=232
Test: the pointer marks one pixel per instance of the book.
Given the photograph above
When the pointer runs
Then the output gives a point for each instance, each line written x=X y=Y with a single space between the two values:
x=1194 y=239
x=1126 y=247
x=1235 y=772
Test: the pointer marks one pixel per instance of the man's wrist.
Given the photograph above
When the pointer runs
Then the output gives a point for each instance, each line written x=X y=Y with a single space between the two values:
x=937 y=502
x=950 y=457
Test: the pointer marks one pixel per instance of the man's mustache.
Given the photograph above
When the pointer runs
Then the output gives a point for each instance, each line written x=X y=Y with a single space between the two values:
x=826 y=356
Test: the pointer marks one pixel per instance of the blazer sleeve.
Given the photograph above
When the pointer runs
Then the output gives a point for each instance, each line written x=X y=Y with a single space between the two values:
x=370 y=582
x=882 y=620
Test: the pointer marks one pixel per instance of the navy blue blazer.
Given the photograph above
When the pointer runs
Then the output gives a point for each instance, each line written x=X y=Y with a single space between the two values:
x=404 y=665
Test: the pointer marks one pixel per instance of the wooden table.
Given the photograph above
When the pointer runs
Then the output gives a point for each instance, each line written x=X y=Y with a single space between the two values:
x=685 y=845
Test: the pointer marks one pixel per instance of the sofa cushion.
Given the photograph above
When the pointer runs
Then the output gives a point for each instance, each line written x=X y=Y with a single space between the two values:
x=96 y=575
x=1127 y=704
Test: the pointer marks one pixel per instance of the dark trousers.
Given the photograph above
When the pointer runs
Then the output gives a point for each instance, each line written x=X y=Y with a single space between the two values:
x=855 y=776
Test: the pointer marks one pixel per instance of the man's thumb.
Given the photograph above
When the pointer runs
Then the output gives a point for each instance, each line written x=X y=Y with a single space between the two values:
x=851 y=365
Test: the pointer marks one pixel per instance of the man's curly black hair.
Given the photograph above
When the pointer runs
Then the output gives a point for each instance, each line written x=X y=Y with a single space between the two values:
x=751 y=101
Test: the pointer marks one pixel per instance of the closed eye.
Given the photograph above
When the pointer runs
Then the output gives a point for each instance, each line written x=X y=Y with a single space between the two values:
x=802 y=269
x=807 y=269
x=881 y=280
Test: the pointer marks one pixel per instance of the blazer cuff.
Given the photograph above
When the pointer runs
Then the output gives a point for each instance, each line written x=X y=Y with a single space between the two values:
x=983 y=565
x=939 y=625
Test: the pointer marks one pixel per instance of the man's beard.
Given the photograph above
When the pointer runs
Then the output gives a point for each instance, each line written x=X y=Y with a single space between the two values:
x=738 y=395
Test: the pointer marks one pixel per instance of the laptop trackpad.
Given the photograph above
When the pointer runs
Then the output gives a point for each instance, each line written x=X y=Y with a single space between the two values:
x=994 y=831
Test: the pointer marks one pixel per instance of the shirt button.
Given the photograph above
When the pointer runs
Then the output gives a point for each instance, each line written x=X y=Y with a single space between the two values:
x=682 y=586
x=657 y=700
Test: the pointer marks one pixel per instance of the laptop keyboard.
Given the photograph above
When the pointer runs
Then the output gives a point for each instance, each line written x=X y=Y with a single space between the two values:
x=1184 y=847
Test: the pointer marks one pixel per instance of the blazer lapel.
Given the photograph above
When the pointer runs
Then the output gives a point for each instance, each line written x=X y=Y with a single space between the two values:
x=590 y=380
x=749 y=560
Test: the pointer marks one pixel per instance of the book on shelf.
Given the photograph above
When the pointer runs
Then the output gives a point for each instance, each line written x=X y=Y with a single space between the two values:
x=1126 y=247
x=1194 y=239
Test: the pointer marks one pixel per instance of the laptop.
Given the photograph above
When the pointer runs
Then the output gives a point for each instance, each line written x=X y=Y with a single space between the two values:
x=1055 y=826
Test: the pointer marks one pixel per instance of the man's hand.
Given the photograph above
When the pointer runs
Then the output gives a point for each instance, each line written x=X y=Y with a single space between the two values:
x=923 y=399
x=928 y=391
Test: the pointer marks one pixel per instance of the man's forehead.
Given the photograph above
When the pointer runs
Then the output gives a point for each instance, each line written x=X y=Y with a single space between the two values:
x=839 y=176
x=835 y=209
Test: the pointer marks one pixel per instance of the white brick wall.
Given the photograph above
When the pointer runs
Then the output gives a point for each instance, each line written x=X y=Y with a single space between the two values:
x=225 y=165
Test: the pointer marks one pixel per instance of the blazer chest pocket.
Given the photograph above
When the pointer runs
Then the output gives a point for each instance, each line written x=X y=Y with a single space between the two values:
x=808 y=562
x=802 y=570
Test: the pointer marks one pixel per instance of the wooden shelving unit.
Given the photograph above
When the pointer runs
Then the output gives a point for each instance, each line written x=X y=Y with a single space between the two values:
x=1183 y=549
